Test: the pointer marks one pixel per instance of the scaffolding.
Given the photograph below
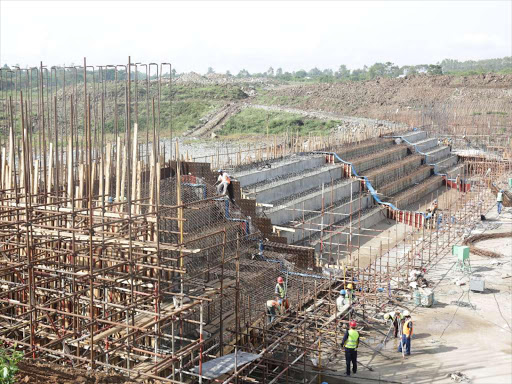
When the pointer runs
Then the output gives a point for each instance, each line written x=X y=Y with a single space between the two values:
x=117 y=254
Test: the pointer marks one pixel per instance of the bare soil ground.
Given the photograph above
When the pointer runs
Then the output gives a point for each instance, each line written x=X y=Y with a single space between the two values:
x=39 y=372
x=475 y=97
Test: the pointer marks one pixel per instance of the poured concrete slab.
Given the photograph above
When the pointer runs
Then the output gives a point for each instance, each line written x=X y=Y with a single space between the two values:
x=222 y=365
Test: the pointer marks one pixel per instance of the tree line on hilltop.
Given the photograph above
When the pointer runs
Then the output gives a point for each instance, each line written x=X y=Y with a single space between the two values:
x=388 y=69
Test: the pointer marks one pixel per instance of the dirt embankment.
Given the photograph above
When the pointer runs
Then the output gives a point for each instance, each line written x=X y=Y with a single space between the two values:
x=445 y=99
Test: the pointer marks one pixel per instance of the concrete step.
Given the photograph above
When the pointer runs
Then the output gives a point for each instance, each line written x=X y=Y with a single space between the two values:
x=382 y=175
x=414 y=194
x=336 y=244
x=311 y=227
x=446 y=163
x=415 y=136
x=363 y=149
x=405 y=182
x=296 y=183
x=294 y=164
x=292 y=208
x=394 y=153
x=426 y=144
x=436 y=154
x=457 y=169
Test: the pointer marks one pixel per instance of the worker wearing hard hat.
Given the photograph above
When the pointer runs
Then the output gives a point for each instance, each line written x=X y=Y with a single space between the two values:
x=271 y=310
x=406 y=334
x=350 y=342
x=342 y=302
x=280 y=293
x=350 y=292
x=499 y=201
x=396 y=319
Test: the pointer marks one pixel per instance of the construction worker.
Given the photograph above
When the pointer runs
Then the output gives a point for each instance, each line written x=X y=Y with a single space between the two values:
x=433 y=207
x=350 y=292
x=223 y=182
x=341 y=301
x=271 y=310
x=406 y=333
x=350 y=342
x=458 y=181
x=396 y=319
x=499 y=201
x=280 y=292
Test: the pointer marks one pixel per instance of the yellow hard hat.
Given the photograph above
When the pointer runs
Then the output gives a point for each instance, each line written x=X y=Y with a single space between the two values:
x=350 y=286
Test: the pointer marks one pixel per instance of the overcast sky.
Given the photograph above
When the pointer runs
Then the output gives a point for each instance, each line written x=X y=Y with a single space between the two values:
x=232 y=35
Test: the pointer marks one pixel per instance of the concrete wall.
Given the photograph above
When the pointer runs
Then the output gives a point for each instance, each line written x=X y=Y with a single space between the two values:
x=379 y=178
x=393 y=154
x=311 y=226
x=415 y=136
x=437 y=154
x=415 y=194
x=277 y=170
x=312 y=202
x=363 y=149
x=426 y=144
x=367 y=221
x=297 y=184
x=406 y=182
x=444 y=164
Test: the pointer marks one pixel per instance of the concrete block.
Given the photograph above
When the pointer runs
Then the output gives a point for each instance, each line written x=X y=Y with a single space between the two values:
x=297 y=184
x=426 y=144
x=312 y=202
x=248 y=178
x=415 y=136
x=436 y=154
x=382 y=176
x=395 y=153
x=312 y=225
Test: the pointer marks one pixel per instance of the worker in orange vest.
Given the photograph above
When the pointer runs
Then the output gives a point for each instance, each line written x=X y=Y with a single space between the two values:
x=406 y=334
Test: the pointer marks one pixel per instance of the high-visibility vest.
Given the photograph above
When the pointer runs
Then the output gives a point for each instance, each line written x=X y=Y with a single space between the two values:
x=226 y=178
x=281 y=290
x=406 y=330
x=353 y=337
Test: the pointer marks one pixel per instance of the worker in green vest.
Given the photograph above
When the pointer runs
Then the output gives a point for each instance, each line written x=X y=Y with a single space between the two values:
x=350 y=342
x=280 y=293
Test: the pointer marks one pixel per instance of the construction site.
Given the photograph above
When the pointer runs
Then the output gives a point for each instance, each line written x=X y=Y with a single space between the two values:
x=121 y=262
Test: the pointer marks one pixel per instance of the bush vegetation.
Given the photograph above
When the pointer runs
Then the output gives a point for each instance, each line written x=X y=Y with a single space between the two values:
x=255 y=121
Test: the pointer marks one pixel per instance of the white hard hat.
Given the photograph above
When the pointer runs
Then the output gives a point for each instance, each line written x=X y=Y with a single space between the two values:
x=406 y=313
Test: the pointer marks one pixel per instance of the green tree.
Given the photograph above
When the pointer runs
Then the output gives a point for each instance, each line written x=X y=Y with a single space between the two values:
x=210 y=70
x=279 y=72
x=270 y=72
x=343 y=73
x=300 y=74
x=315 y=72
x=243 y=73
x=435 y=69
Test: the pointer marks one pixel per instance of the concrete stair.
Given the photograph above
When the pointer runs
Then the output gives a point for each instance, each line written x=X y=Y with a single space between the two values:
x=426 y=144
x=311 y=201
x=436 y=154
x=294 y=164
x=415 y=136
x=289 y=185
